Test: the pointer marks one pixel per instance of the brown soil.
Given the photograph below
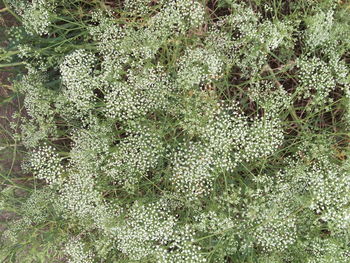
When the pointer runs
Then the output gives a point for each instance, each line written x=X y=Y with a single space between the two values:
x=9 y=104
x=9 y=162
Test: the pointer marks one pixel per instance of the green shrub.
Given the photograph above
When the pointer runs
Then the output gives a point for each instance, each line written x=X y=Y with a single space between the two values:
x=180 y=131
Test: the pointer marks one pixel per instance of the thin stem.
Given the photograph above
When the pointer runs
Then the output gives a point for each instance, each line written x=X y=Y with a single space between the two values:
x=12 y=64
x=10 y=11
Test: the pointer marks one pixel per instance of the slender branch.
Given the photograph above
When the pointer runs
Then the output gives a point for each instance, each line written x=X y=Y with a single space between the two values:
x=10 y=11
x=12 y=64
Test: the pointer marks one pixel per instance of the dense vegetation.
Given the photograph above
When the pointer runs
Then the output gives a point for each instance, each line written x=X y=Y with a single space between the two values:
x=178 y=131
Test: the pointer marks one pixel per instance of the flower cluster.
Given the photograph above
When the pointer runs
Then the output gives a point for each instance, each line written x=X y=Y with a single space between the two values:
x=35 y=211
x=316 y=80
x=197 y=67
x=36 y=15
x=319 y=29
x=254 y=37
x=329 y=185
x=145 y=226
x=80 y=199
x=140 y=7
x=36 y=208
x=46 y=164
x=275 y=231
x=38 y=101
x=38 y=105
x=90 y=146
x=270 y=97
x=77 y=72
x=177 y=17
x=323 y=250
x=77 y=252
x=264 y=137
x=224 y=133
x=192 y=172
x=151 y=231
x=145 y=91
x=227 y=138
x=134 y=156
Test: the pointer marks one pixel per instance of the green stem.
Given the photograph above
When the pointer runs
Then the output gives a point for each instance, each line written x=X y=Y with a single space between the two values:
x=10 y=54
x=10 y=11
x=12 y=64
